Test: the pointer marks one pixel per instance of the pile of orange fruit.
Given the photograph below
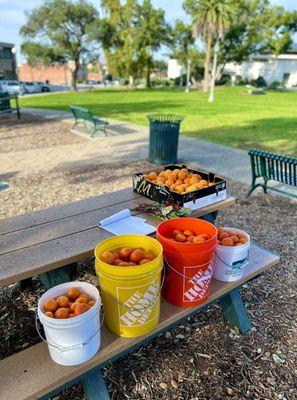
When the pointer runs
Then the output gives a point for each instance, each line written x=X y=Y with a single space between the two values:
x=72 y=304
x=128 y=257
x=179 y=180
x=188 y=236
x=229 y=238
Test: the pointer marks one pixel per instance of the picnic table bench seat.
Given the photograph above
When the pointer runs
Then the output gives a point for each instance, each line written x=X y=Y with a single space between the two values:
x=31 y=374
x=45 y=243
x=269 y=166
x=83 y=115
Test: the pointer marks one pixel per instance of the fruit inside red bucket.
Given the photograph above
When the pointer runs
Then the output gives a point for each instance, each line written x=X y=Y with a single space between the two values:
x=187 y=236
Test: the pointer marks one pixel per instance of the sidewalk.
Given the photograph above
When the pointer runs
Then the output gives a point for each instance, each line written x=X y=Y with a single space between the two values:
x=126 y=142
x=130 y=143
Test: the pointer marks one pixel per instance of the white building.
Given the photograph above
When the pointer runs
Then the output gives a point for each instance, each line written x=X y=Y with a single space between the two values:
x=175 y=70
x=282 y=69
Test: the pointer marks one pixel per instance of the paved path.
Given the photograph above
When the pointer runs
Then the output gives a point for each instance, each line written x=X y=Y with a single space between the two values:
x=127 y=142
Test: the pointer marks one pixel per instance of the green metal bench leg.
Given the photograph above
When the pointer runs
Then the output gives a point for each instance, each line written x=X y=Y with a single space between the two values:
x=234 y=311
x=94 y=386
x=57 y=276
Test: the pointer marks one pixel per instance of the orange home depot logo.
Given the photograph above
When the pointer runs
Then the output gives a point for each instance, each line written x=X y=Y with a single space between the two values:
x=138 y=309
x=196 y=287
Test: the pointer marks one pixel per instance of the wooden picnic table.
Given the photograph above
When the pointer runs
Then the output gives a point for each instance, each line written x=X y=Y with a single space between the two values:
x=31 y=374
x=43 y=242
x=46 y=240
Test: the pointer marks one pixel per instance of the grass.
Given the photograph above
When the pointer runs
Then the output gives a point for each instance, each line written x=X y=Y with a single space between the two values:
x=235 y=119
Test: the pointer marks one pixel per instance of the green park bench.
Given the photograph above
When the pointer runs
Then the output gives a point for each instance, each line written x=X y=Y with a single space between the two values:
x=5 y=105
x=83 y=115
x=44 y=242
x=269 y=166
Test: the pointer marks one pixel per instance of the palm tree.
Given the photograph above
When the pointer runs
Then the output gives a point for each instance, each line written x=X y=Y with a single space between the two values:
x=210 y=20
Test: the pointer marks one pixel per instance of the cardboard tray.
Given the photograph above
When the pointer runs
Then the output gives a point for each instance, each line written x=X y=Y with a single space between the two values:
x=194 y=200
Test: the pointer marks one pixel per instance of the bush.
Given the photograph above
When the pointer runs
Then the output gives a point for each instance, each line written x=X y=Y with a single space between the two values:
x=259 y=82
x=160 y=82
x=275 y=85
x=123 y=82
x=239 y=81
x=184 y=80
x=224 y=80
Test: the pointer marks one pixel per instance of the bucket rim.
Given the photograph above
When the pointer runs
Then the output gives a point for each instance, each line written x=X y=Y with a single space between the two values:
x=184 y=243
x=77 y=318
x=119 y=271
x=229 y=248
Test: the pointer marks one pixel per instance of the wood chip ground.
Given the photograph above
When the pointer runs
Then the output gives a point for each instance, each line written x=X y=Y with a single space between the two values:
x=203 y=359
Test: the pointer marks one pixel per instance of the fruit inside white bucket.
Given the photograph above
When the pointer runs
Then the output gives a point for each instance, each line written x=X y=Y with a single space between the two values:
x=72 y=341
x=230 y=262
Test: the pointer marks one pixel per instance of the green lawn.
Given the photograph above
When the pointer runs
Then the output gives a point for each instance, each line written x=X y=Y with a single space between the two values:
x=235 y=119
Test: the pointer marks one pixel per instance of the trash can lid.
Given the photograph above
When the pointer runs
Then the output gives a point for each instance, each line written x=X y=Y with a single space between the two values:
x=165 y=118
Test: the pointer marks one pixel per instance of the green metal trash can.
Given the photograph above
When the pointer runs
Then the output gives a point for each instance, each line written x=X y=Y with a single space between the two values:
x=164 y=133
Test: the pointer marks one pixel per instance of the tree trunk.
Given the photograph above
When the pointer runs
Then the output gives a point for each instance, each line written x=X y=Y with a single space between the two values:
x=74 y=76
x=188 y=75
x=148 y=76
x=131 y=81
x=207 y=62
x=148 y=67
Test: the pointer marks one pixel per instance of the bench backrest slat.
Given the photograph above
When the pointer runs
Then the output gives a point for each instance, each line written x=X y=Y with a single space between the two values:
x=82 y=113
x=274 y=166
x=4 y=102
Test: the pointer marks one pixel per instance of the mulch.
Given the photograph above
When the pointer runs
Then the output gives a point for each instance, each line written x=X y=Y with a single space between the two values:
x=203 y=358
x=33 y=132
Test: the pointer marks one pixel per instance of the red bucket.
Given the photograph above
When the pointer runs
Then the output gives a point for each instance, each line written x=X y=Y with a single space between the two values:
x=189 y=266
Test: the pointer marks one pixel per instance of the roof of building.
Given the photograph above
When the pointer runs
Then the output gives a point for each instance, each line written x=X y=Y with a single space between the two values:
x=3 y=44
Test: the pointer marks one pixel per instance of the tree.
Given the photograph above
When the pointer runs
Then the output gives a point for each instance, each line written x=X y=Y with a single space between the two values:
x=121 y=51
x=138 y=31
x=152 y=31
x=58 y=32
x=258 y=28
x=182 y=45
x=210 y=19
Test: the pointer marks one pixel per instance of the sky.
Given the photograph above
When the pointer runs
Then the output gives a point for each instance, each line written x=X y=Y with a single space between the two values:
x=12 y=15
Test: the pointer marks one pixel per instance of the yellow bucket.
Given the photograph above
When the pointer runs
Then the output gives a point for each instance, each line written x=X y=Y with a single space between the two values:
x=131 y=295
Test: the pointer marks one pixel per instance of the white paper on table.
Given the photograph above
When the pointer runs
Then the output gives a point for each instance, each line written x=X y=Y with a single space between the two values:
x=123 y=223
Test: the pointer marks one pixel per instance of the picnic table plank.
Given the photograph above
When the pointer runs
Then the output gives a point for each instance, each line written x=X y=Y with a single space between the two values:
x=60 y=250
x=39 y=234
x=37 y=375
x=47 y=215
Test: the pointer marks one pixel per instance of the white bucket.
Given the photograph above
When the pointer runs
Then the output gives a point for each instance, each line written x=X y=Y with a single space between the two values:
x=230 y=262
x=74 y=340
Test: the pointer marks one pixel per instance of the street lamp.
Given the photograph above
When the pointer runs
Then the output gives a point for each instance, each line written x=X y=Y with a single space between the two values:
x=214 y=68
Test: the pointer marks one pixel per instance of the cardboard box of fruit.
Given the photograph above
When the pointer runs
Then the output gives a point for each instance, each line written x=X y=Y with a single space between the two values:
x=180 y=185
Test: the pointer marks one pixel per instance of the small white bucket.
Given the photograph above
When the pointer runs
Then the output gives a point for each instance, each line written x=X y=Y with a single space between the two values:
x=74 y=340
x=230 y=262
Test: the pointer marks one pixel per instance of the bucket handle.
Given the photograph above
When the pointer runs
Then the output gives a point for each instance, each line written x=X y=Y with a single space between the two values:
x=228 y=265
x=69 y=348
x=190 y=277
x=151 y=304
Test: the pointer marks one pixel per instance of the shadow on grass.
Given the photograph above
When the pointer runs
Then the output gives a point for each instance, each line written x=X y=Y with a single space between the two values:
x=109 y=110
x=271 y=134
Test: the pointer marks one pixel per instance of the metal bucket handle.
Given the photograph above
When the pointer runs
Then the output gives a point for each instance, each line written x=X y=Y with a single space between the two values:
x=230 y=266
x=69 y=348
x=194 y=266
